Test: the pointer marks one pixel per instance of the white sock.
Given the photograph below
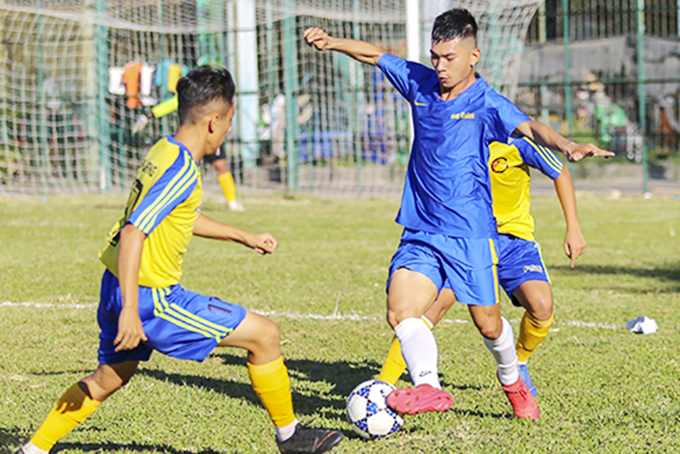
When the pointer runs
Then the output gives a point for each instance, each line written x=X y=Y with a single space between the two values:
x=419 y=348
x=287 y=431
x=505 y=354
x=30 y=448
x=427 y=321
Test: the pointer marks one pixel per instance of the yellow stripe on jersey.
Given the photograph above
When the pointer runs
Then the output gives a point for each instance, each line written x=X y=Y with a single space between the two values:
x=142 y=218
x=548 y=156
x=496 y=284
x=165 y=246
x=179 y=181
x=181 y=187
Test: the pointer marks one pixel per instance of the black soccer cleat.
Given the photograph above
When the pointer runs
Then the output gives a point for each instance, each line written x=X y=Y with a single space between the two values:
x=306 y=440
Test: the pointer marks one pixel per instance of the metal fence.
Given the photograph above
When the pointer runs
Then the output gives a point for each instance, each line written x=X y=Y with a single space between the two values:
x=613 y=79
x=609 y=72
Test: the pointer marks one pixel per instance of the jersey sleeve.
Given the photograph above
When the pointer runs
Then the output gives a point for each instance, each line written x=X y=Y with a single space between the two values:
x=539 y=157
x=403 y=74
x=503 y=117
x=173 y=187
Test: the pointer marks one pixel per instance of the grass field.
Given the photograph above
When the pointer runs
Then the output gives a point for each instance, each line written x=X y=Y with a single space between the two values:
x=601 y=388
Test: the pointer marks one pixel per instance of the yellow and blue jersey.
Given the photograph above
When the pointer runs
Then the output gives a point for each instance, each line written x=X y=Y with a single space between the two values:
x=164 y=203
x=511 y=181
x=447 y=188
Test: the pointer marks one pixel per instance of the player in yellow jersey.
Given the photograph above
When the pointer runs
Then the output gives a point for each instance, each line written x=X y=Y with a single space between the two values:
x=521 y=271
x=143 y=307
x=217 y=159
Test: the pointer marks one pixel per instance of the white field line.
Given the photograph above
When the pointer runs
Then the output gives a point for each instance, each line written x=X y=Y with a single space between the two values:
x=297 y=315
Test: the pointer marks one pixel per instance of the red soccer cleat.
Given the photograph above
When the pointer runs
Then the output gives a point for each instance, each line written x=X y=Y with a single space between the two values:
x=420 y=399
x=523 y=402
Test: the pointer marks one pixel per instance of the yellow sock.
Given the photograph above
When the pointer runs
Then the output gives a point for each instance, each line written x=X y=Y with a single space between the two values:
x=272 y=385
x=226 y=181
x=73 y=408
x=531 y=334
x=394 y=364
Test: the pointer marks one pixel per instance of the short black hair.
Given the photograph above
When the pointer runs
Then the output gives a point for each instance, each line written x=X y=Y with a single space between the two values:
x=202 y=86
x=454 y=23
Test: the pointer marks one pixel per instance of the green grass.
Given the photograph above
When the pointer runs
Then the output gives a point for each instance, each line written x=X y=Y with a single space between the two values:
x=600 y=389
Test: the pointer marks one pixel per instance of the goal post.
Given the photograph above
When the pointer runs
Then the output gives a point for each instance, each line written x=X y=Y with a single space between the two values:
x=75 y=74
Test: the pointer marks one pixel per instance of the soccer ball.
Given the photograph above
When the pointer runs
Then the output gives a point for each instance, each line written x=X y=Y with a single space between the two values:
x=368 y=412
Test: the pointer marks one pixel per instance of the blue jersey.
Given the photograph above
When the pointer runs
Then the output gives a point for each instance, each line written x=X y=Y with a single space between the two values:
x=447 y=188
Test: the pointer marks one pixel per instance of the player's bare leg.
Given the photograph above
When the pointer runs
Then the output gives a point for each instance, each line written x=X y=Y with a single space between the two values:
x=409 y=295
x=78 y=403
x=268 y=373
x=499 y=339
x=536 y=298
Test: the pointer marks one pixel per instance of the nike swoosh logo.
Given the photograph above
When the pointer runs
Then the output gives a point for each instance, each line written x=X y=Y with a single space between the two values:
x=419 y=103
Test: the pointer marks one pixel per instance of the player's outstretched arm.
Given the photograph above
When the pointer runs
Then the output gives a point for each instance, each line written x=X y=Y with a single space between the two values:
x=574 y=242
x=159 y=110
x=130 y=331
x=548 y=137
x=263 y=243
x=359 y=50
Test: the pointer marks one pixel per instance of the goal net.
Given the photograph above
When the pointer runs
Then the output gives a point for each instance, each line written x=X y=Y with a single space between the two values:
x=503 y=26
x=75 y=74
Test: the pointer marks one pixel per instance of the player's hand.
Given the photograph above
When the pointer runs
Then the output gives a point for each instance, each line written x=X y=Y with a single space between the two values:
x=140 y=124
x=130 y=331
x=317 y=37
x=577 y=151
x=263 y=243
x=574 y=245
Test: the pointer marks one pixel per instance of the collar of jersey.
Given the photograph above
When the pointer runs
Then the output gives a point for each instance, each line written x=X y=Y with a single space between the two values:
x=476 y=87
x=171 y=139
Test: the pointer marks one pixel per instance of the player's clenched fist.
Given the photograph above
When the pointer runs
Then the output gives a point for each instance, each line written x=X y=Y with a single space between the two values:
x=317 y=37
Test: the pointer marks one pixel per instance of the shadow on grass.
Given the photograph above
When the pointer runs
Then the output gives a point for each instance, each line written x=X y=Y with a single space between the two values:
x=343 y=376
x=81 y=372
x=138 y=447
x=9 y=439
x=667 y=272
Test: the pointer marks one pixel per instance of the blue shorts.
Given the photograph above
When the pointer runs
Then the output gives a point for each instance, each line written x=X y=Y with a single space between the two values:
x=177 y=322
x=466 y=265
x=519 y=261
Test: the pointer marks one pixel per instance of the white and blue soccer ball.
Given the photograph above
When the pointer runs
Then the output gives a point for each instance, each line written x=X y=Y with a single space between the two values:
x=368 y=412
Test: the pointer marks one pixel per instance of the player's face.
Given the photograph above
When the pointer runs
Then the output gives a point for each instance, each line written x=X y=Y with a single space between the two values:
x=454 y=61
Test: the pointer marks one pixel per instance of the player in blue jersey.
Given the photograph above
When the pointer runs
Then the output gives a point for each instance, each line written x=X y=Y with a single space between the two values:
x=143 y=307
x=449 y=229
x=521 y=271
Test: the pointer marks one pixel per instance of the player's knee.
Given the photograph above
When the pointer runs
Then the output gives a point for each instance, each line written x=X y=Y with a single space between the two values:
x=394 y=317
x=269 y=338
x=490 y=328
x=99 y=385
x=541 y=308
